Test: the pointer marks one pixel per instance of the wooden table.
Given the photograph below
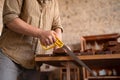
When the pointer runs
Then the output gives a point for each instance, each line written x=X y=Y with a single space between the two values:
x=90 y=60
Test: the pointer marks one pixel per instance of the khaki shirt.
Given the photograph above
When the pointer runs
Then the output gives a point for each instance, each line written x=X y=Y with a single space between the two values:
x=1 y=11
x=39 y=13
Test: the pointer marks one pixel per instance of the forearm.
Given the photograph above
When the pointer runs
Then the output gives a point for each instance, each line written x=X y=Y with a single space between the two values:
x=19 y=26
x=59 y=33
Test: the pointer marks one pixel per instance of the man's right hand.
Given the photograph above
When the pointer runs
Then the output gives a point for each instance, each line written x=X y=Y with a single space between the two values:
x=47 y=37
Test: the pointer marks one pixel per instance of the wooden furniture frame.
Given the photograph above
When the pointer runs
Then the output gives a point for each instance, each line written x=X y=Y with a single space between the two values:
x=69 y=72
x=95 y=43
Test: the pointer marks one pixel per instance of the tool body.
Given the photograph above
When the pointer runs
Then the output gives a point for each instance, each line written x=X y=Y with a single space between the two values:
x=60 y=44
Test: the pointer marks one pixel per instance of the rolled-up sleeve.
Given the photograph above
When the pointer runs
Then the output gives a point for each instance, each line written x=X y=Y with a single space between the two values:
x=12 y=9
x=56 y=19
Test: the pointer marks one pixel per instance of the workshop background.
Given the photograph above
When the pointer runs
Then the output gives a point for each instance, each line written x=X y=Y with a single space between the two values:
x=88 y=17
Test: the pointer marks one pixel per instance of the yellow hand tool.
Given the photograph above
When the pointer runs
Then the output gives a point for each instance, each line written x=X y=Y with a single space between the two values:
x=57 y=43
x=60 y=44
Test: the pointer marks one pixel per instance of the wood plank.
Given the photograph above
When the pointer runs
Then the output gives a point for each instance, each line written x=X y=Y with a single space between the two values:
x=83 y=57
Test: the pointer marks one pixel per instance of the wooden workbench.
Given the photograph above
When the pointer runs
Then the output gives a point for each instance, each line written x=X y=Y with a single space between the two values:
x=90 y=60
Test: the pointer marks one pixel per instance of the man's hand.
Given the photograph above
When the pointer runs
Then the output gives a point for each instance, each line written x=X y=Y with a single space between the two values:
x=47 y=37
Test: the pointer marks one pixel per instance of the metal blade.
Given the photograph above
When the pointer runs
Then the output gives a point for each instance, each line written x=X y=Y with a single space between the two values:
x=72 y=55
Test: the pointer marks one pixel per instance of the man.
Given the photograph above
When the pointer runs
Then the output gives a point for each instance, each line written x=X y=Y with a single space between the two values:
x=26 y=23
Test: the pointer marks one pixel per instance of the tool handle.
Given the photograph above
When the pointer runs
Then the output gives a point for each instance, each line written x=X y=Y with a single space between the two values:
x=48 y=47
x=58 y=43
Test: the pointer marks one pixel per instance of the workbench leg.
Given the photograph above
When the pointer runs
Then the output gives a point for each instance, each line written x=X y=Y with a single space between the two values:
x=68 y=70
